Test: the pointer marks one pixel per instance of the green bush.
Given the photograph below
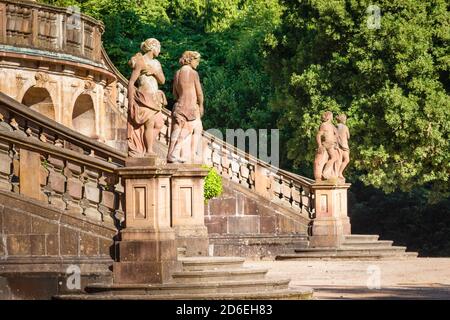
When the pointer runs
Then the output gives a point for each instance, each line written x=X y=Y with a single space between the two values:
x=213 y=184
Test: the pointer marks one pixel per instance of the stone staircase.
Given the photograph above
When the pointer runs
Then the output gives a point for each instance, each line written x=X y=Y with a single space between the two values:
x=202 y=278
x=361 y=247
x=256 y=246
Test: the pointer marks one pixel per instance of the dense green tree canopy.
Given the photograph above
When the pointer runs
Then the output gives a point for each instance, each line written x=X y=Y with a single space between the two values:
x=276 y=63
x=392 y=82
x=229 y=34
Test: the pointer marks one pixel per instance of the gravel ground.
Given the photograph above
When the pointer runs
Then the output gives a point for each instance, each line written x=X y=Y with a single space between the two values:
x=421 y=278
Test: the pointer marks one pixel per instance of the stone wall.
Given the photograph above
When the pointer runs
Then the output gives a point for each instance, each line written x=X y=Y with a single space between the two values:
x=56 y=65
x=38 y=243
x=243 y=223
x=30 y=228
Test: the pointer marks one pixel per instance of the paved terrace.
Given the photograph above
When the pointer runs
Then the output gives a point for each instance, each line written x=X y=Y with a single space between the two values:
x=421 y=278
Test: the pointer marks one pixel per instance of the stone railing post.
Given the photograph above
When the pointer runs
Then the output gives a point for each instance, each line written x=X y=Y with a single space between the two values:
x=331 y=222
x=29 y=173
x=188 y=209
x=147 y=249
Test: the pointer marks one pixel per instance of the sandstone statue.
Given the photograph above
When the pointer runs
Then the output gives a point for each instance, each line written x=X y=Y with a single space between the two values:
x=343 y=137
x=185 y=138
x=328 y=157
x=145 y=101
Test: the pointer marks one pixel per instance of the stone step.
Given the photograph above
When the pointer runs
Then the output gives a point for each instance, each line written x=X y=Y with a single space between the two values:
x=252 y=239
x=350 y=254
x=360 y=237
x=367 y=244
x=362 y=257
x=219 y=275
x=350 y=250
x=244 y=286
x=299 y=293
x=211 y=263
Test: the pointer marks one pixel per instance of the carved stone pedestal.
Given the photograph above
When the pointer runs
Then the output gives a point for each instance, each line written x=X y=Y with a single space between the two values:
x=188 y=209
x=147 y=250
x=331 y=222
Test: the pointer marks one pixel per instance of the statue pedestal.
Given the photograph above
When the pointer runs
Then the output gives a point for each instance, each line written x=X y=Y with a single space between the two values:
x=147 y=250
x=188 y=209
x=331 y=222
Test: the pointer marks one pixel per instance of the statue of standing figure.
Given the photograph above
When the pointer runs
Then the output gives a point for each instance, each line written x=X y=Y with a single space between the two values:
x=344 y=136
x=185 y=138
x=333 y=153
x=145 y=101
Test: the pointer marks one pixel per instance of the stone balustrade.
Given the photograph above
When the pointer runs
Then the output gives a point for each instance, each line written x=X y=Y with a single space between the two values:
x=49 y=28
x=277 y=185
x=44 y=160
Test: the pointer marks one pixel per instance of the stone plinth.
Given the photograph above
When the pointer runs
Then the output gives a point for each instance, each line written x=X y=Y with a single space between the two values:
x=147 y=250
x=188 y=209
x=331 y=222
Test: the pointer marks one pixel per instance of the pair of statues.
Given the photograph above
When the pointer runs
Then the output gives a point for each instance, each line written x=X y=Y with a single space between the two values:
x=333 y=153
x=145 y=103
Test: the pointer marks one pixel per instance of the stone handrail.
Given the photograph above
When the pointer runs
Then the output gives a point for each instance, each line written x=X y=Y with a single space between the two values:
x=21 y=118
x=49 y=162
x=277 y=185
x=44 y=27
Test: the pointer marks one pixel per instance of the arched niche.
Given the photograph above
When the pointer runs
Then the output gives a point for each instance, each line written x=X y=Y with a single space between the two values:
x=38 y=99
x=83 y=116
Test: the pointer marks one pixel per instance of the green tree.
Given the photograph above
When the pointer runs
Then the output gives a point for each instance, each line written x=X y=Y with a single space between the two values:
x=392 y=82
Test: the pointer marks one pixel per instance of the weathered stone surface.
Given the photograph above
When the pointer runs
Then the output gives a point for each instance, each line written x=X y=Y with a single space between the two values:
x=222 y=206
x=105 y=246
x=19 y=245
x=216 y=224
x=243 y=224
x=147 y=250
x=30 y=165
x=268 y=224
x=108 y=199
x=16 y=222
x=37 y=245
x=74 y=188
x=144 y=272
x=52 y=245
x=69 y=240
x=88 y=245
x=92 y=192
x=1 y=218
x=56 y=181
x=41 y=226
x=250 y=206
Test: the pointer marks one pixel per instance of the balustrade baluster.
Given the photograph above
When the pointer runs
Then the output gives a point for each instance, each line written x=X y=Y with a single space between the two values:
x=108 y=197
x=56 y=181
x=43 y=179
x=74 y=189
x=5 y=166
x=91 y=194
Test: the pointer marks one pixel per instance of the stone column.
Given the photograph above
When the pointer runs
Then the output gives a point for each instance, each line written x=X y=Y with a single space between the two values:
x=147 y=250
x=188 y=209
x=331 y=222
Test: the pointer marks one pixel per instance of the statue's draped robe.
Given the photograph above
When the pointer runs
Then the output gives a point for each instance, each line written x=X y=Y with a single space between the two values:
x=146 y=103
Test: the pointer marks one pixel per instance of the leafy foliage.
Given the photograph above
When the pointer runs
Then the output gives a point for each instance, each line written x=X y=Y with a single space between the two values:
x=281 y=63
x=406 y=218
x=392 y=82
x=230 y=35
x=213 y=184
